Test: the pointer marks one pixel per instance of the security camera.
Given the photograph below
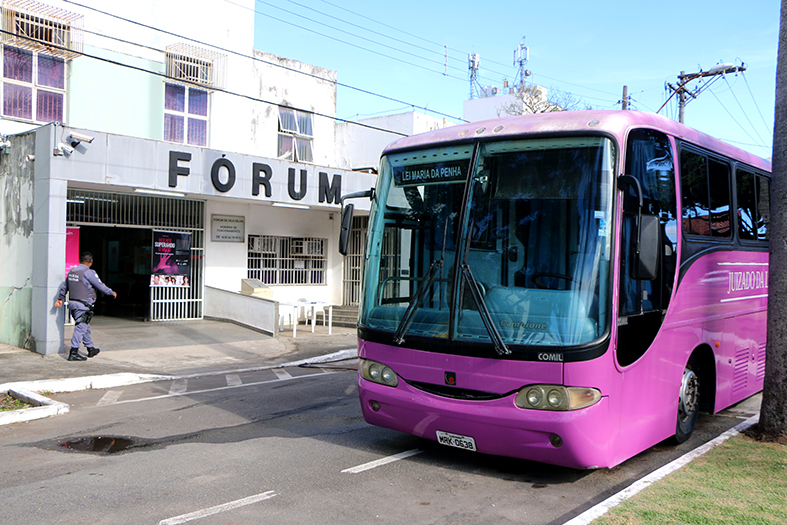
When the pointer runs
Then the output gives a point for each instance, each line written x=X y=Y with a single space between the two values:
x=76 y=138
x=65 y=148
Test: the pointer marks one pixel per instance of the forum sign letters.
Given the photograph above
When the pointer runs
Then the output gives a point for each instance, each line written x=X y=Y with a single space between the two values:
x=264 y=179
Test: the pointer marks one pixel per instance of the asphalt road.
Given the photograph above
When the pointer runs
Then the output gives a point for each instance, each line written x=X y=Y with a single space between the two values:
x=278 y=446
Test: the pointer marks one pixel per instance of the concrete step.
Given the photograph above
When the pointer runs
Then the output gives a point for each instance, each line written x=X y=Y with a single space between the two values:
x=346 y=316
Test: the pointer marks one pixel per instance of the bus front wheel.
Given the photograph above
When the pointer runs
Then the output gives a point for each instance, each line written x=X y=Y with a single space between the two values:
x=688 y=403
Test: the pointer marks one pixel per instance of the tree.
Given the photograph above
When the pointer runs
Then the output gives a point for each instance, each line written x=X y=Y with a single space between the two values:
x=773 y=412
x=535 y=99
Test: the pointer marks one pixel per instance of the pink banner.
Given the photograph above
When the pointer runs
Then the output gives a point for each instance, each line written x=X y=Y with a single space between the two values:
x=72 y=248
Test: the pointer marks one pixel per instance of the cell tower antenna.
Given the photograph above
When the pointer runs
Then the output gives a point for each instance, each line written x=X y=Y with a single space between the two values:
x=473 y=64
x=521 y=56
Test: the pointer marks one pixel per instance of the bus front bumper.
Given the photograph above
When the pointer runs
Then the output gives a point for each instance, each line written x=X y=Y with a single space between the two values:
x=578 y=439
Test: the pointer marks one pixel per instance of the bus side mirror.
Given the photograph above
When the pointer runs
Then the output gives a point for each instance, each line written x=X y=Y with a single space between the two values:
x=646 y=264
x=347 y=218
x=344 y=234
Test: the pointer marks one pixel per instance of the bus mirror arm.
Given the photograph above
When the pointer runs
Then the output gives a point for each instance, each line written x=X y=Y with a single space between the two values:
x=646 y=246
x=347 y=217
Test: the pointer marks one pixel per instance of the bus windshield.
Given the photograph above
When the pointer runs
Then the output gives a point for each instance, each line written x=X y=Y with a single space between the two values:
x=492 y=242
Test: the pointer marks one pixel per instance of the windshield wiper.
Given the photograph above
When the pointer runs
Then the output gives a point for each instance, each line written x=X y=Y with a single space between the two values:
x=409 y=314
x=475 y=290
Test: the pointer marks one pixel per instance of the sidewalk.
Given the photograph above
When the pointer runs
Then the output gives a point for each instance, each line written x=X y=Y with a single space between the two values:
x=173 y=348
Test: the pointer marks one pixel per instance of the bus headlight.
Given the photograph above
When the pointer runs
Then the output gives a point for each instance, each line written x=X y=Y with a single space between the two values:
x=377 y=372
x=556 y=397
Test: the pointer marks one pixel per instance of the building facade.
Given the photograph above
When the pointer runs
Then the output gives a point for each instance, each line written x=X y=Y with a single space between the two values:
x=116 y=130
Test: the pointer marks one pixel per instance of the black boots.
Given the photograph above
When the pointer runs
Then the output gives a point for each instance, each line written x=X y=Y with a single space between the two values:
x=74 y=355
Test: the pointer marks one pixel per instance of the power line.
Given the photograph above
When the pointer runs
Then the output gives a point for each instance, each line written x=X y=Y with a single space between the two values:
x=504 y=75
x=745 y=114
x=770 y=129
x=195 y=84
x=257 y=59
x=733 y=118
x=367 y=29
x=348 y=33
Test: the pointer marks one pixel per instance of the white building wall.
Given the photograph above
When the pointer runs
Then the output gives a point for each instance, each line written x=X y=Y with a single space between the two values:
x=359 y=147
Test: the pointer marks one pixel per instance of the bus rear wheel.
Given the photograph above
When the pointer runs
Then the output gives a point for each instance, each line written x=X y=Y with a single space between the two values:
x=688 y=403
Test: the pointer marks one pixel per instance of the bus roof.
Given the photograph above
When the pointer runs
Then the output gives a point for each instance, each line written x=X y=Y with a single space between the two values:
x=616 y=123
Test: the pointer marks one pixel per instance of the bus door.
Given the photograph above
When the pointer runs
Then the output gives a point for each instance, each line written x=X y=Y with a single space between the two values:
x=643 y=302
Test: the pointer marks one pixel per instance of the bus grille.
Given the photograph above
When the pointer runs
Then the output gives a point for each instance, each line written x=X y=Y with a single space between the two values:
x=455 y=393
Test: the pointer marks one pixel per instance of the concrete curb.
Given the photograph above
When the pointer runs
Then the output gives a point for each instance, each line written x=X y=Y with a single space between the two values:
x=29 y=391
x=46 y=407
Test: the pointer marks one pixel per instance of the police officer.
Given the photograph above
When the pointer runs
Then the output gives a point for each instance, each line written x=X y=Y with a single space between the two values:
x=81 y=285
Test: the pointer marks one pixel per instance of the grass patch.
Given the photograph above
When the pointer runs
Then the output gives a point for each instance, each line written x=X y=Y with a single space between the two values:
x=741 y=481
x=11 y=403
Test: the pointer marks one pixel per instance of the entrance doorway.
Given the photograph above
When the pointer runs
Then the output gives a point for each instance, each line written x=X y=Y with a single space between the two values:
x=121 y=257
x=118 y=229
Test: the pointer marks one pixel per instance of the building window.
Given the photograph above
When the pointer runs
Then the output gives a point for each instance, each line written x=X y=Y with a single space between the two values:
x=185 y=115
x=295 y=135
x=195 y=72
x=287 y=260
x=34 y=86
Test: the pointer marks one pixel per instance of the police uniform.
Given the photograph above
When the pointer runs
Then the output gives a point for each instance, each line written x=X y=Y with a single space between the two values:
x=81 y=285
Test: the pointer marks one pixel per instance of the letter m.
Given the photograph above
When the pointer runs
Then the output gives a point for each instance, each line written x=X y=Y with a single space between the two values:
x=330 y=191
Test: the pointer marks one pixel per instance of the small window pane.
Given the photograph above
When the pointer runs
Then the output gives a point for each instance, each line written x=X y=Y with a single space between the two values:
x=173 y=128
x=286 y=147
x=747 y=206
x=17 y=64
x=17 y=101
x=49 y=106
x=51 y=72
x=719 y=177
x=287 y=120
x=763 y=208
x=305 y=123
x=198 y=132
x=198 y=102
x=304 y=150
x=694 y=190
x=175 y=98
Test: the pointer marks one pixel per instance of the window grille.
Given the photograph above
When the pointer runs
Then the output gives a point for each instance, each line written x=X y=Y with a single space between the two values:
x=287 y=260
x=195 y=65
x=41 y=28
x=296 y=135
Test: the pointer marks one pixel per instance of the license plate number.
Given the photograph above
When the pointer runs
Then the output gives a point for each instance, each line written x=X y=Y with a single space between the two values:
x=455 y=440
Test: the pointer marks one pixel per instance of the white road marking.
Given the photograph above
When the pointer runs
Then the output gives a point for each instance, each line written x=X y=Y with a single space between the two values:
x=217 y=509
x=602 y=508
x=380 y=462
x=234 y=380
x=207 y=390
x=109 y=398
x=282 y=373
x=179 y=386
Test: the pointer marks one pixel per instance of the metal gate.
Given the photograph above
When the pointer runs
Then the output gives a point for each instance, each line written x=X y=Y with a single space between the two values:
x=85 y=207
x=353 y=262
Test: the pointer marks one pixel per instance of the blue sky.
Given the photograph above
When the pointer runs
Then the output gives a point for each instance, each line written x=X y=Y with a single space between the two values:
x=590 y=49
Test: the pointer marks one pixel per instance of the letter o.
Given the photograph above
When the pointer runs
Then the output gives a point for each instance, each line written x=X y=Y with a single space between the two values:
x=214 y=175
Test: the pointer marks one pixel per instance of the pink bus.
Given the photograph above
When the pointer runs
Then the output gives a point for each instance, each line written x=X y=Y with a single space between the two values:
x=569 y=288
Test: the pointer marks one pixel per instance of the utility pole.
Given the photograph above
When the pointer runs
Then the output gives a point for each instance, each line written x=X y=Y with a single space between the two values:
x=684 y=78
x=624 y=103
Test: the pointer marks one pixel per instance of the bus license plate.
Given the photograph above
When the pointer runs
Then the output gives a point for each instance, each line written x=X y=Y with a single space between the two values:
x=455 y=440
